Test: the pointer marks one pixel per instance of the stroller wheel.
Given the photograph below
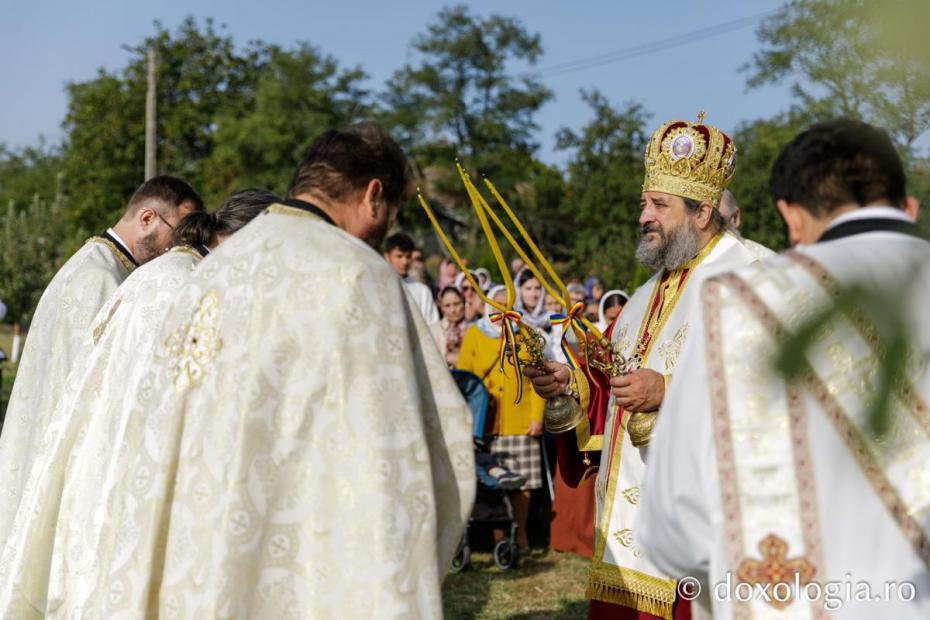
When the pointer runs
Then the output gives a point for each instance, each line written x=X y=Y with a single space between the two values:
x=505 y=554
x=462 y=558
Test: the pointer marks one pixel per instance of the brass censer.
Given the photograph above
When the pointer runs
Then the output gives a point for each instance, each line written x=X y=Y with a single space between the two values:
x=612 y=363
x=562 y=413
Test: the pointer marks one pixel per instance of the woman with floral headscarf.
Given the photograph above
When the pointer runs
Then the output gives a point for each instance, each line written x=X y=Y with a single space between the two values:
x=450 y=330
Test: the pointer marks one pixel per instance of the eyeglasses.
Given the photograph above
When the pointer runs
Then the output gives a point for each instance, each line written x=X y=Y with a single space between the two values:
x=167 y=223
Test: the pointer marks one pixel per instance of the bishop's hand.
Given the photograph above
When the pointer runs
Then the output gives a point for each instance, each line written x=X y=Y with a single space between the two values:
x=641 y=390
x=550 y=382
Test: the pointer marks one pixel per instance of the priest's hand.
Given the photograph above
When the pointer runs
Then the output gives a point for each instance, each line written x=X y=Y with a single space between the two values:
x=642 y=390
x=550 y=382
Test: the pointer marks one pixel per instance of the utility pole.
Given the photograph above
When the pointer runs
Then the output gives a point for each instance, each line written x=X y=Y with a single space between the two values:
x=150 y=116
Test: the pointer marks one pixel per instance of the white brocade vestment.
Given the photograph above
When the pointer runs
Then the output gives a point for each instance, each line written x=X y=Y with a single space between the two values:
x=757 y=479
x=86 y=422
x=61 y=321
x=295 y=448
x=620 y=574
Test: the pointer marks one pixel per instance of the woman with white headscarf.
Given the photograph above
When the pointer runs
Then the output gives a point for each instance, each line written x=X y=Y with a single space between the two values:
x=531 y=301
x=484 y=279
x=517 y=426
x=609 y=309
x=474 y=307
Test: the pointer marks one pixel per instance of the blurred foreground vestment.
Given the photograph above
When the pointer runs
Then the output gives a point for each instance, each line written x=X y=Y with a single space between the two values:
x=760 y=478
x=297 y=446
x=61 y=320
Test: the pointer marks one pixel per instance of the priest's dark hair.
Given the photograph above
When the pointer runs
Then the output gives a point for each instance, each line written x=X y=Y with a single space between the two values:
x=172 y=191
x=839 y=162
x=341 y=162
x=201 y=228
x=401 y=241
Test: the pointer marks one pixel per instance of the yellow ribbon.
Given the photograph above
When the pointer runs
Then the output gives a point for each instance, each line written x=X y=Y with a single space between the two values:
x=508 y=337
x=564 y=299
x=571 y=321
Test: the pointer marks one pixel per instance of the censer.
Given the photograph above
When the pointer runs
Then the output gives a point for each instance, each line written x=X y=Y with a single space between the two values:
x=607 y=358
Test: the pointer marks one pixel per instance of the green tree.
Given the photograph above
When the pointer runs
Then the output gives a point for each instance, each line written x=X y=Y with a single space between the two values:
x=852 y=58
x=461 y=99
x=299 y=94
x=200 y=77
x=27 y=172
x=758 y=144
x=228 y=117
x=30 y=239
x=605 y=174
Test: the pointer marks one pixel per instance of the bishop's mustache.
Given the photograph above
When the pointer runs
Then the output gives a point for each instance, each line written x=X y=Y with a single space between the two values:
x=650 y=227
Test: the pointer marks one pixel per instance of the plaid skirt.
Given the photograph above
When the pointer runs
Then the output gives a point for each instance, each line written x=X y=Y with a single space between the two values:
x=522 y=455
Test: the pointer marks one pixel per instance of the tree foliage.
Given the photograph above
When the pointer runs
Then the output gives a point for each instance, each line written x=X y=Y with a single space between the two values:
x=231 y=116
x=299 y=93
x=30 y=249
x=605 y=177
x=852 y=58
x=758 y=143
x=461 y=100
x=28 y=172
x=227 y=117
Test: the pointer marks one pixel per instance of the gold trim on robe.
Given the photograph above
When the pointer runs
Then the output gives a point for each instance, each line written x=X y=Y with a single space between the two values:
x=117 y=252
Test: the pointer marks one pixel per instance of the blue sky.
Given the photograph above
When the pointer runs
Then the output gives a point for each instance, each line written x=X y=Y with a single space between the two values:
x=47 y=44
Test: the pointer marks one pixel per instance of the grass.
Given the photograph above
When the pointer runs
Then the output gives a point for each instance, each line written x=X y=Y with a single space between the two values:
x=542 y=587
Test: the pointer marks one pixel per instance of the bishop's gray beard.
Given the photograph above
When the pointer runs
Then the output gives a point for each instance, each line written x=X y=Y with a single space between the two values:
x=673 y=250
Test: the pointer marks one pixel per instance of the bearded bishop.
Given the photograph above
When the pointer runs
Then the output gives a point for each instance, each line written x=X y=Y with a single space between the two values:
x=683 y=238
x=777 y=494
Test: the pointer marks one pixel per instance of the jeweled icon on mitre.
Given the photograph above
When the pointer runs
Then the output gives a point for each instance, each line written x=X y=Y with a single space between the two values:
x=682 y=147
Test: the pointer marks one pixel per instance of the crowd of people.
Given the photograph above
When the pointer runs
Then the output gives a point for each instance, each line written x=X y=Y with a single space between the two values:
x=461 y=325
x=251 y=412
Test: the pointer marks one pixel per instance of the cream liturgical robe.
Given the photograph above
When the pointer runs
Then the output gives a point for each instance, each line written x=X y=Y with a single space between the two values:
x=295 y=448
x=125 y=328
x=774 y=494
x=62 y=319
x=656 y=322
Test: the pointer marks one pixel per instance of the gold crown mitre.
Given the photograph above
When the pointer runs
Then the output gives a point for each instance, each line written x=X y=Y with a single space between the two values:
x=691 y=160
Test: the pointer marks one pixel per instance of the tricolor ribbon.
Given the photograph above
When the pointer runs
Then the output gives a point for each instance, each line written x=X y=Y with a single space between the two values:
x=571 y=321
x=510 y=321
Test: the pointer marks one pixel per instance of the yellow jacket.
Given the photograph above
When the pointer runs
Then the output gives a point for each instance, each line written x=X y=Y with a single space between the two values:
x=478 y=355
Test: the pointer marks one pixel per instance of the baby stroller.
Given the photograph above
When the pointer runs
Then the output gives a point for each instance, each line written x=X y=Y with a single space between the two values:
x=492 y=505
